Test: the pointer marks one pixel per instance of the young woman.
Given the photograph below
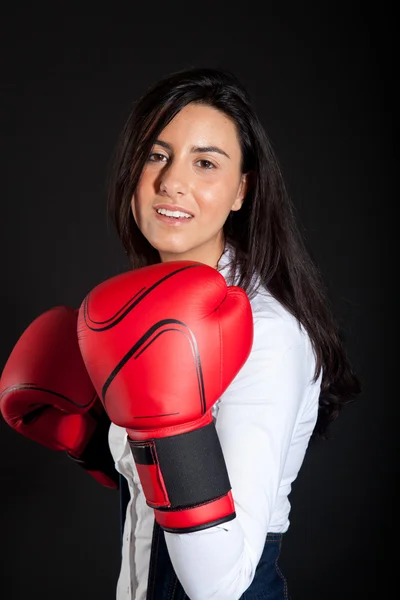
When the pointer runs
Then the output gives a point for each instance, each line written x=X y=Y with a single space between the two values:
x=195 y=178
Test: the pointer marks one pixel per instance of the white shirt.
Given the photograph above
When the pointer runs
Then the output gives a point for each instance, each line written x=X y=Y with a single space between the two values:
x=264 y=422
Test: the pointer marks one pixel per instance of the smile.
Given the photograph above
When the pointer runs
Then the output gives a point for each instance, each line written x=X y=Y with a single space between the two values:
x=173 y=217
x=176 y=214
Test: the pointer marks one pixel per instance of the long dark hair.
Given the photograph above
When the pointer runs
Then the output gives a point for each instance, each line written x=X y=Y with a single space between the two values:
x=264 y=233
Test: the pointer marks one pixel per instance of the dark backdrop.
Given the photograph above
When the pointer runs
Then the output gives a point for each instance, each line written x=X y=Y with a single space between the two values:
x=320 y=81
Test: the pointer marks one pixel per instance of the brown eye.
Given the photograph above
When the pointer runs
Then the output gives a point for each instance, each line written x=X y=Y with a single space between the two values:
x=156 y=157
x=206 y=164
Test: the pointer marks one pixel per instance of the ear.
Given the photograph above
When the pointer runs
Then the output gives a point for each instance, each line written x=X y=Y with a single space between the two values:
x=242 y=191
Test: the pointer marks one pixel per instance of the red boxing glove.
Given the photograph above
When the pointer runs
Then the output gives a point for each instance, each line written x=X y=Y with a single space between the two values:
x=46 y=394
x=161 y=346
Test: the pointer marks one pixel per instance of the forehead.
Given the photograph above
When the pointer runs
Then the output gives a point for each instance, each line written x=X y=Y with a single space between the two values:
x=197 y=123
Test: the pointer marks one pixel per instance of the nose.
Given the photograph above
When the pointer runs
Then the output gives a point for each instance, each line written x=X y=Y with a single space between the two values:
x=174 y=180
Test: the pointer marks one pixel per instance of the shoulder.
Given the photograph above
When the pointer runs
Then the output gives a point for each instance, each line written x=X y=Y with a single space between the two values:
x=280 y=368
x=275 y=328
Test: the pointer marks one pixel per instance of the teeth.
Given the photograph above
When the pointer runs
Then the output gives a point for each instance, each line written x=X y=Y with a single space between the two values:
x=173 y=213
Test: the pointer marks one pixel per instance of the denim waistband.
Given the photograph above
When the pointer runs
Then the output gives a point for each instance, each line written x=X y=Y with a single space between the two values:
x=274 y=537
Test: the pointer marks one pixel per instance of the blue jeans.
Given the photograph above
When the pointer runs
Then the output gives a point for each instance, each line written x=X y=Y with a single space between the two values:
x=268 y=582
x=163 y=584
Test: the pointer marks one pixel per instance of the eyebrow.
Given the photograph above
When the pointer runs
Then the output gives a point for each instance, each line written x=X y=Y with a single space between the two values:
x=194 y=149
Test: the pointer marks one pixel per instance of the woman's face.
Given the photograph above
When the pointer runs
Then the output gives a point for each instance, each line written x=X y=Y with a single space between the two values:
x=190 y=183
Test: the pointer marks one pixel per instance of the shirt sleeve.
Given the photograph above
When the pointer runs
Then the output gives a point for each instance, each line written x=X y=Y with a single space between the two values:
x=256 y=420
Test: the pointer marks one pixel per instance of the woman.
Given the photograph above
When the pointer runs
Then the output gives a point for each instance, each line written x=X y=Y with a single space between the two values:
x=195 y=178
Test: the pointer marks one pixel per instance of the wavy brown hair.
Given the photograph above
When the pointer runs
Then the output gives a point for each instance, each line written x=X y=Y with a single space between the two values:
x=264 y=233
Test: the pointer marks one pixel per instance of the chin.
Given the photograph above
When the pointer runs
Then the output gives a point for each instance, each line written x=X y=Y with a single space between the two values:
x=172 y=247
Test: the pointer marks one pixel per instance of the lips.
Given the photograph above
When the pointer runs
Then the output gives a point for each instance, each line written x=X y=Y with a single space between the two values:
x=173 y=208
x=177 y=221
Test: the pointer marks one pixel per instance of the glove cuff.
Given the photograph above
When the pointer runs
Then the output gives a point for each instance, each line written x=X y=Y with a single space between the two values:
x=185 y=479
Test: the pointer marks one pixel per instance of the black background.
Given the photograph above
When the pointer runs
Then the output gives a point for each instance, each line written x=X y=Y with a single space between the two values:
x=320 y=82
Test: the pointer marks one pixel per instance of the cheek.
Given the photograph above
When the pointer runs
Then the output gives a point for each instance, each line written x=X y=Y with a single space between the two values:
x=217 y=197
x=147 y=181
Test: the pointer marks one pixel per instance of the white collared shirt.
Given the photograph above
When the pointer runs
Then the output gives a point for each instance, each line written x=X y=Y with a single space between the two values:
x=264 y=422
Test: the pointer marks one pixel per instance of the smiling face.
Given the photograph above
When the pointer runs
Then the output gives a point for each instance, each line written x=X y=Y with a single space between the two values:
x=189 y=184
